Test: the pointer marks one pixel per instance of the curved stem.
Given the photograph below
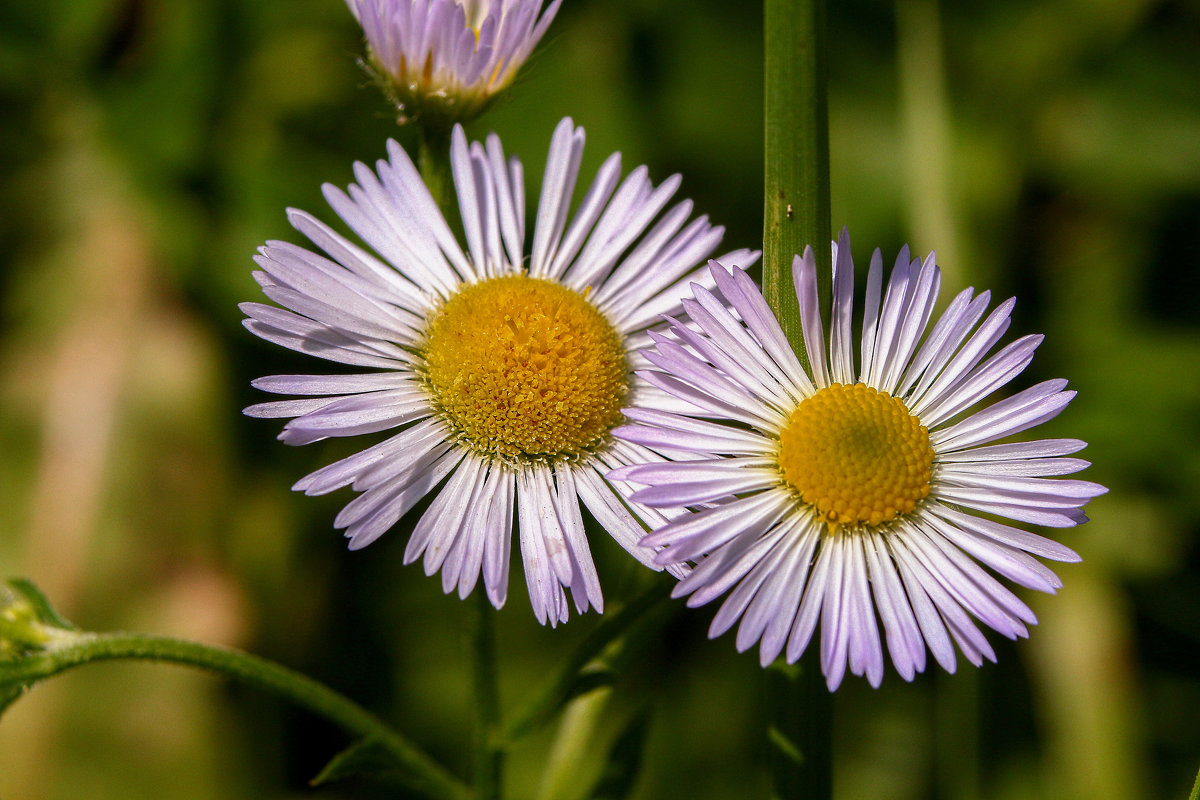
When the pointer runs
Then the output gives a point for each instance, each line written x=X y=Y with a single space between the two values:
x=426 y=774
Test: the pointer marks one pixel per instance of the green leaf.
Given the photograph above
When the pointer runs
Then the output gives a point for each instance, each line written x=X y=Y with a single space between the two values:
x=573 y=680
x=624 y=761
x=589 y=680
x=9 y=695
x=364 y=758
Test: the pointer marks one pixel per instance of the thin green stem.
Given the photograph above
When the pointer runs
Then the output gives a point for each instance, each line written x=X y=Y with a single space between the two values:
x=433 y=162
x=489 y=752
x=1195 y=795
x=426 y=775
x=796 y=214
x=796 y=203
x=799 y=746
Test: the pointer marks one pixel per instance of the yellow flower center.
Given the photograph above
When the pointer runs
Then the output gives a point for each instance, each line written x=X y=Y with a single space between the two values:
x=526 y=368
x=856 y=455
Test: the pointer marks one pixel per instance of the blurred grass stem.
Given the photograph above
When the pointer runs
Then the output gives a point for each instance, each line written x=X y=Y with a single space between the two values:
x=795 y=214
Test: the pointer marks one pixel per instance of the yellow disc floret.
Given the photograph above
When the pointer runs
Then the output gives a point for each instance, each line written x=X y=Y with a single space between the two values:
x=856 y=455
x=526 y=368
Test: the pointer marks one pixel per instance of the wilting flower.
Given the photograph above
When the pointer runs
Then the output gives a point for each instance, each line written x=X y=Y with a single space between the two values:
x=443 y=60
x=501 y=374
x=855 y=496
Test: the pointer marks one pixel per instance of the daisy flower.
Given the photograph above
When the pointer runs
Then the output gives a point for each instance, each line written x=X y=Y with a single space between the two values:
x=500 y=375
x=443 y=60
x=856 y=497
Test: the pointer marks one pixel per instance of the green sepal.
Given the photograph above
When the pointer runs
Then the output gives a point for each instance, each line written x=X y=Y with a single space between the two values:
x=45 y=613
x=620 y=773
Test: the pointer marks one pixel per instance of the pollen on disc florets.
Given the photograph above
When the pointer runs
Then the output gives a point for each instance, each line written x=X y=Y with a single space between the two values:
x=525 y=368
x=856 y=455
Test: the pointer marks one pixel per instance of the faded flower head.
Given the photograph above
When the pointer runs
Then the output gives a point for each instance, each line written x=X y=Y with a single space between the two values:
x=856 y=497
x=442 y=60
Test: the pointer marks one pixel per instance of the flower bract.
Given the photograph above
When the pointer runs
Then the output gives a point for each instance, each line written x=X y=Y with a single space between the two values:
x=500 y=373
x=854 y=498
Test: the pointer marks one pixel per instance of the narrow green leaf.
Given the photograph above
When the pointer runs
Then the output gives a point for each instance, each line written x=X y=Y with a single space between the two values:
x=9 y=695
x=624 y=761
x=564 y=685
x=589 y=680
x=783 y=745
x=364 y=758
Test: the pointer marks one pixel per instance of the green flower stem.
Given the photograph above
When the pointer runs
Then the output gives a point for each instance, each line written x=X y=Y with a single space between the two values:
x=426 y=774
x=433 y=162
x=489 y=752
x=796 y=204
x=1195 y=795
x=796 y=214
x=799 y=730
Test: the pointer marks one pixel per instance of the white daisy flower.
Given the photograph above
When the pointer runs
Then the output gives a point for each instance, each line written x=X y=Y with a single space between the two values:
x=499 y=379
x=443 y=60
x=855 y=496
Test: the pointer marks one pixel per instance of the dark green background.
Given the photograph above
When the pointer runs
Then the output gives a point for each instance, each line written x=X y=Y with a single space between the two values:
x=1049 y=149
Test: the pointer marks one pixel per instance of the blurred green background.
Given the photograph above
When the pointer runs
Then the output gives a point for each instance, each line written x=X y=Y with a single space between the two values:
x=1047 y=148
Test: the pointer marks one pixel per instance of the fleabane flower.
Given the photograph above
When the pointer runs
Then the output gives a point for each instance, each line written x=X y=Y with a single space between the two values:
x=500 y=375
x=856 y=497
x=443 y=60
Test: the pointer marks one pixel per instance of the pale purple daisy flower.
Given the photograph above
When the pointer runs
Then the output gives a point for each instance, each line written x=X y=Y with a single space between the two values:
x=500 y=374
x=855 y=497
x=444 y=60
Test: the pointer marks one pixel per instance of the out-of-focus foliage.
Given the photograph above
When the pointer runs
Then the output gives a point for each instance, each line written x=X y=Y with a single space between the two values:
x=1048 y=148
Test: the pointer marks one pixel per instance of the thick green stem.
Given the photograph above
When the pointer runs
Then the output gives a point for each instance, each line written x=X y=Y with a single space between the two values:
x=489 y=752
x=425 y=774
x=796 y=214
x=796 y=204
